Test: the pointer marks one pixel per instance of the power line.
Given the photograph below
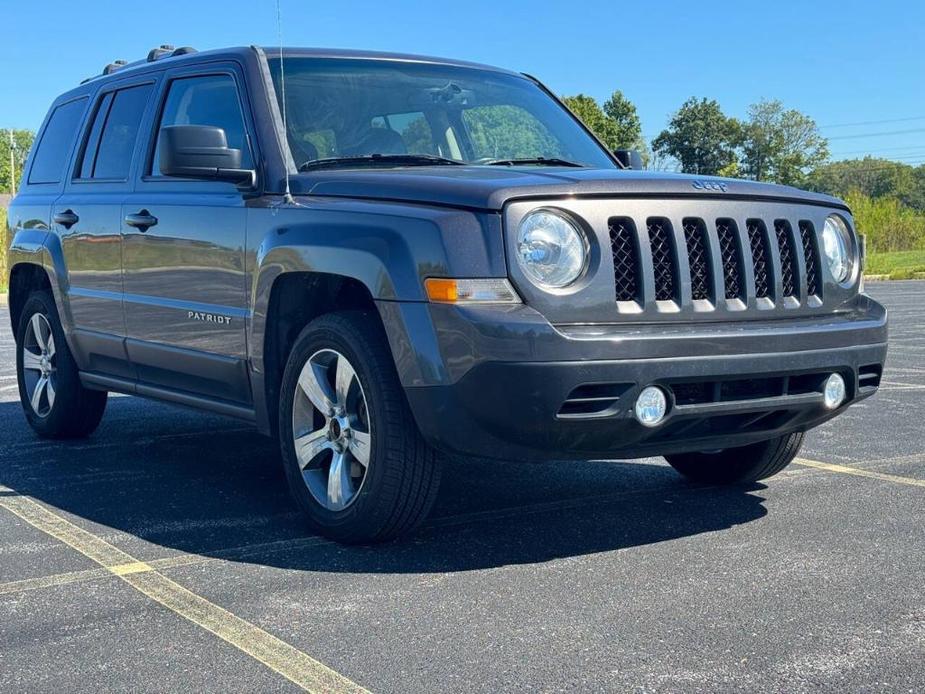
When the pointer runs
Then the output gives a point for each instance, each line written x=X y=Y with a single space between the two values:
x=880 y=149
x=880 y=134
x=871 y=122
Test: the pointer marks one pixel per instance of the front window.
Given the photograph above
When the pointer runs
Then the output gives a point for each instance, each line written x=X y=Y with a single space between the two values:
x=361 y=111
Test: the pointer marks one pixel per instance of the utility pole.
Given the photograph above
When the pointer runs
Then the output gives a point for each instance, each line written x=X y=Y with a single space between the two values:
x=12 y=164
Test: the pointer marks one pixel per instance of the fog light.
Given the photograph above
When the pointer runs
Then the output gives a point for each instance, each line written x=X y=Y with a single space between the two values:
x=834 y=394
x=651 y=406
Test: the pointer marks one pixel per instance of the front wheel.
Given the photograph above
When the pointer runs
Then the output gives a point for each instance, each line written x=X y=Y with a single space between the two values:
x=751 y=463
x=354 y=459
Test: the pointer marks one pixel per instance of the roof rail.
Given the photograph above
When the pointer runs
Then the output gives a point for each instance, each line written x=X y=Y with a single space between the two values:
x=167 y=51
x=162 y=51
x=113 y=66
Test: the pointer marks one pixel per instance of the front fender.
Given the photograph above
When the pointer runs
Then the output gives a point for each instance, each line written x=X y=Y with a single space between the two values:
x=390 y=248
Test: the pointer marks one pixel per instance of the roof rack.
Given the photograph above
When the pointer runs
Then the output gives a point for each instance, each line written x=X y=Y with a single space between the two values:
x=162 y=51
x=113 y=66
x=167 y=51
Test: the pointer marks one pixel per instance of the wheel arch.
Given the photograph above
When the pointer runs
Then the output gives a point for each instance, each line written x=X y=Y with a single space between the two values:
x=295 y=299
x=25 y=279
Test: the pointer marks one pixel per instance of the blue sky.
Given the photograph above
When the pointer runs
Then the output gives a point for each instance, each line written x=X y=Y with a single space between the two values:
x=841 y=62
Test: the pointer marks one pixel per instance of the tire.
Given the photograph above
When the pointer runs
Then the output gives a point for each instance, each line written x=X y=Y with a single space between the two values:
x=61 y=408
x=751 y=463
x=348 y=501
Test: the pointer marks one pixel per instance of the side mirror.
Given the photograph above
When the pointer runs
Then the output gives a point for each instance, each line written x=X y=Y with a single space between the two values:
x=629 y=158
x=201 y=151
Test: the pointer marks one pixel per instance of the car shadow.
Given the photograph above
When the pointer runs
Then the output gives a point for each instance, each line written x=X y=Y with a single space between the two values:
x=157 y=480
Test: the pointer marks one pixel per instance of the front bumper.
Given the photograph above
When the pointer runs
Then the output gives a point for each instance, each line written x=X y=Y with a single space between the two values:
x=514 y=387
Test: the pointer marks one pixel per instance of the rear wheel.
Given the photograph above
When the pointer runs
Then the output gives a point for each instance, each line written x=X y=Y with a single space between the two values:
x=56 y=405
x=354 y=458
x=751 y=463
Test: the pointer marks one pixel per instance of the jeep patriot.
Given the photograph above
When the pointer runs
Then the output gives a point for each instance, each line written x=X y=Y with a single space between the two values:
x=381 y=258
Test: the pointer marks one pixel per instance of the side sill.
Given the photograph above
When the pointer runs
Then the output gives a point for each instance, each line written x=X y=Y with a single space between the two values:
x=97 y=381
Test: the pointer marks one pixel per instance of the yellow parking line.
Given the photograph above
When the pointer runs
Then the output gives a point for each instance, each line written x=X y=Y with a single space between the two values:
x=130 y=568
x=54 y=580
x=239 y=553
x=279 y=656
x=860 y=472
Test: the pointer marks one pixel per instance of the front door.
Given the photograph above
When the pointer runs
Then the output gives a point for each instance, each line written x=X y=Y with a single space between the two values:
x=183 y=254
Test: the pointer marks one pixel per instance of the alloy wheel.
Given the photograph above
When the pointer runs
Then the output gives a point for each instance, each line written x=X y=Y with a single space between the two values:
x=39 y=365
x=331 y=429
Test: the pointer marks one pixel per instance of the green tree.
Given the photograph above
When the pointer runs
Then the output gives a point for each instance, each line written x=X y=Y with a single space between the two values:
x=622 y=112
x=875 y=178
x=509 y=132
x=592 y=115
x=888 y=224
x=22 y=143
x=616 y=123
x=780 y=145
x=701 y=138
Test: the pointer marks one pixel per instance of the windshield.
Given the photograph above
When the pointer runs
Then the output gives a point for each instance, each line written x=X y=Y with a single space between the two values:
x=392 y=113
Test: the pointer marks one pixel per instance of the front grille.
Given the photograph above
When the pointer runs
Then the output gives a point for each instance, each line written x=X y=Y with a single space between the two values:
x=664 y=263
x=784 y=233
x=732 y=257
x=811 y=256
x=757 y=239
x=695 y=234
x=625 y=258
x=708 y=255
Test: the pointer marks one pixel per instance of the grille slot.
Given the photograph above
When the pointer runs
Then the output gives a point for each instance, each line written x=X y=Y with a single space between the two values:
x=695 y=236
x=869 y=377
x=625 y=251
x=593 y=400
x=757 y=240
x=811 y=256
x=784 y=233
x=664 y=263
x=731 y=254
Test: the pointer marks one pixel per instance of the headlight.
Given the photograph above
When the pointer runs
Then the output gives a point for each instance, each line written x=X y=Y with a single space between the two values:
x=837 y=246
x=551 y=249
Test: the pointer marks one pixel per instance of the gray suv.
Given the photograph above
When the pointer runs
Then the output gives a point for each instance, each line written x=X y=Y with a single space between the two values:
x=378 y=257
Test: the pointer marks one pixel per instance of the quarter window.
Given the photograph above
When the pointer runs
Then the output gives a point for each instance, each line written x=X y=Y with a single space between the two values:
x=56 y=143
x=208 y=100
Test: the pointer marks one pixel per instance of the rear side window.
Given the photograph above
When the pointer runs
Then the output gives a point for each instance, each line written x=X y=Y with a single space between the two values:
x=208 y=100
x=56 y=143
x=113 y=156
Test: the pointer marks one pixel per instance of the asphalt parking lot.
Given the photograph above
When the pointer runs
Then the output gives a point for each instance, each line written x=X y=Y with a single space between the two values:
x=163 y=554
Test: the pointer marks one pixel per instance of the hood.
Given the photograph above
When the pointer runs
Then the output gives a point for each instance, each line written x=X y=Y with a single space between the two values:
x=489 y=188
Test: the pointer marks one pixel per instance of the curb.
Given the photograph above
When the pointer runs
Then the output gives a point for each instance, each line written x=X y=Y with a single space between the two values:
x=889 y=278
x=3 y=299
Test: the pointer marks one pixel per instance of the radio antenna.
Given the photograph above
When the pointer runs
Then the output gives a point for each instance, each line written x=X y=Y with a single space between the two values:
x=287 y=196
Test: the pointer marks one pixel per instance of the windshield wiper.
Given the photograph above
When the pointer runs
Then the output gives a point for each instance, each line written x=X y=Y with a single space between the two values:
x=540 y=161
x=376 y=159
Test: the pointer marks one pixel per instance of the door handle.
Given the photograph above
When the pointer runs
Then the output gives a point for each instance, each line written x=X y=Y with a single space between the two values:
x=143 y=220
x=67 y=219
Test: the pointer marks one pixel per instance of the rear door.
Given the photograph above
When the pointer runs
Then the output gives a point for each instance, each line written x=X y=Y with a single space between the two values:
x=87 y=219
x=30 y=212
x=183 y=249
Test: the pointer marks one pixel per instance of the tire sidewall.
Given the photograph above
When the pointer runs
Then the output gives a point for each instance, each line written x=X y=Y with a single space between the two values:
x=67 y=378
x=369 y=508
